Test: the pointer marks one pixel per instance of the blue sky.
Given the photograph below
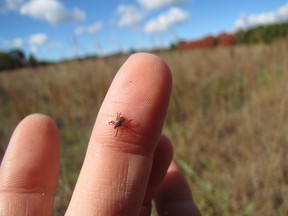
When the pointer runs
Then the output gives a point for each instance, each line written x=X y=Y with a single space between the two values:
x=63 y=29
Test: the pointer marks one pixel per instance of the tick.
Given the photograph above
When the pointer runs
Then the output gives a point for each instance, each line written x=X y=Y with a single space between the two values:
x=120 y=122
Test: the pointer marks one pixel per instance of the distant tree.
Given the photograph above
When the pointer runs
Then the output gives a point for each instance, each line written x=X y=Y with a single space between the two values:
x=173 y=46
x=32 y=61
x=12 y=59
x=132 y=51
x=18 y=56
x=5 y=61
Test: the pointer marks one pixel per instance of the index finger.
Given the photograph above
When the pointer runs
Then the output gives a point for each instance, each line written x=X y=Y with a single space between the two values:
x=116 y=169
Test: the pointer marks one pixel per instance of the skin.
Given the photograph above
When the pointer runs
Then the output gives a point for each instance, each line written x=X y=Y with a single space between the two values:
x=120 y=175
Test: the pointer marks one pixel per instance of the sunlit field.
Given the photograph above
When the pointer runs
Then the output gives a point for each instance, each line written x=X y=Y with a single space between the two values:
x=228 y=119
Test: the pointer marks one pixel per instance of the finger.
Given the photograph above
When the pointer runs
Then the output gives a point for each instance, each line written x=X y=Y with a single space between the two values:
x=30 y=168
x=161 y=161
x=174 y=196
x=116 y=169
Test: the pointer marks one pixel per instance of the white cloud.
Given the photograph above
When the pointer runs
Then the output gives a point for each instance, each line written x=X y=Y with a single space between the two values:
x=33 y=40
x=130 y=16
x=166 y=20
x=17 y=42
x=13 y=43
x=90 y=29
x=36 y=41
x=9 y=5
x=156 y=4
x=246 y=21
x=51 y=11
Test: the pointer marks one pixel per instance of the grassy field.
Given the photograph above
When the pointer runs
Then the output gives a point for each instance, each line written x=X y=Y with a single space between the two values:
x=228 y=119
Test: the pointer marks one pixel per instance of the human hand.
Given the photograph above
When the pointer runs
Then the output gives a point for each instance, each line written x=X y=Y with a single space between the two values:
x=121 y=174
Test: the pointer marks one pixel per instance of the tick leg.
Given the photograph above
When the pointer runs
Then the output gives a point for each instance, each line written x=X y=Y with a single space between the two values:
x=112 y=122
x=118 y=116
x=116 y=132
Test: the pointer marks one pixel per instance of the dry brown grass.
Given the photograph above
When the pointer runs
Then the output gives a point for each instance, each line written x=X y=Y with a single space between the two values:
x=227 y=118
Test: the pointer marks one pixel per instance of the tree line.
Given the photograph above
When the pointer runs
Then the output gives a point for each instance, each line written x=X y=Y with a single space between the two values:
x=262 y=34
x=16 y=58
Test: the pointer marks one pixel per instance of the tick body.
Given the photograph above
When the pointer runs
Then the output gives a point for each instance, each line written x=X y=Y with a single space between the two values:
x=119 y=123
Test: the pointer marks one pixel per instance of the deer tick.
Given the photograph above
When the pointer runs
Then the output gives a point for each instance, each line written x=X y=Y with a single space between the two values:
x=119 y=123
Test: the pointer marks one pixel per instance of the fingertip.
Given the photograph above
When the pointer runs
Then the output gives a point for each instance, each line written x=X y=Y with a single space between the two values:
x=32 y=153
x=161 y=160
x=34 y=121
x=174 y=196
x=165 y=147
x=154 y=64
x=152 y=59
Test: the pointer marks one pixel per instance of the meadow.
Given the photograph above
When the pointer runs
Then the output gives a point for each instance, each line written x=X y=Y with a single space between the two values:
x=228 y=120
